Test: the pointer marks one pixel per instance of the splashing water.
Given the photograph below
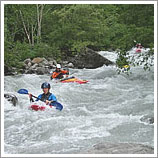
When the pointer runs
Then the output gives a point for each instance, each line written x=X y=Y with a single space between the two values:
x=106 y=109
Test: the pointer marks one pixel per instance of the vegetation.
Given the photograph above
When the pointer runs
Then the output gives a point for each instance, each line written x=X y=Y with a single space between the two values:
x=50 y=30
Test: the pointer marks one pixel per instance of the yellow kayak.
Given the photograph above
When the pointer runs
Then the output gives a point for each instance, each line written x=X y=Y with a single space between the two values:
x=73 y=79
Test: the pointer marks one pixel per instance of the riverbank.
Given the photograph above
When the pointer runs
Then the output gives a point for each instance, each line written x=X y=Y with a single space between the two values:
x=87 y=58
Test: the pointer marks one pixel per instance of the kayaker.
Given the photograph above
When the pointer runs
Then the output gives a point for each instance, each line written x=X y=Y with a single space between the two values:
x=138 y=45
x=59 y=73
x=46 y=97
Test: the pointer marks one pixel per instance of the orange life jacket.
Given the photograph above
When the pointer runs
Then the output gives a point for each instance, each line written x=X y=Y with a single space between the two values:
x=59 y=74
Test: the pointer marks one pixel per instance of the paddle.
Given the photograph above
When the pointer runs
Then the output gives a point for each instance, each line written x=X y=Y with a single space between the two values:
x=54 y=103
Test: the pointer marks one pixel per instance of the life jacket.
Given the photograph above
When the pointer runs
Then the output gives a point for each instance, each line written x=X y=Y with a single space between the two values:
x=45 y=97
x=59 y=74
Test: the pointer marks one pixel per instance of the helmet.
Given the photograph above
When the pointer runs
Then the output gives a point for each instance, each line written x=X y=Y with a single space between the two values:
x=45 y=85
x=58 y=66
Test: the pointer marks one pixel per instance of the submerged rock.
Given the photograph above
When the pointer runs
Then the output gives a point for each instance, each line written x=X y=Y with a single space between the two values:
x=11 y=98
x=119 y=148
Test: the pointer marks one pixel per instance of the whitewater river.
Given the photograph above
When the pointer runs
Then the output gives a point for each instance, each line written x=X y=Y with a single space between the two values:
x=106 y=109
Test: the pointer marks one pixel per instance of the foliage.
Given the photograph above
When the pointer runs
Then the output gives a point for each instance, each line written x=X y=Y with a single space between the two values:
x=70 y=27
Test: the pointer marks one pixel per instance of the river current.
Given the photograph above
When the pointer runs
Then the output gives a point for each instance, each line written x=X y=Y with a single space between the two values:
x=108 y=108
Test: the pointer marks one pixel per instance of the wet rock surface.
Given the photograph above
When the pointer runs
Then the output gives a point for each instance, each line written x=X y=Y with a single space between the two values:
x=147 y=119
x=119 y=148
x=11 y=98
x=90 y=59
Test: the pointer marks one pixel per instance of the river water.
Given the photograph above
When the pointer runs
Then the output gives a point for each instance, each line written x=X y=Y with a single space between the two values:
x=106 y=109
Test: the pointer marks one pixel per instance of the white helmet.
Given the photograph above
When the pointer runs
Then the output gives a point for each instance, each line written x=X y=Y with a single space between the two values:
x=58 y=66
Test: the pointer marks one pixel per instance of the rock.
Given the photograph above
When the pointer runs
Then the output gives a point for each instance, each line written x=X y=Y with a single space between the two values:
x=40 y=65
x=88 y=58
x=70 y=65
x=42 y=71
x=148 y=119
x=11 y=98
x=45 y=63
x=34 y=66
x=65 y=62
x=8 y=70
x=29 y=71
x=29 y=64
x=22 y=71
x=26 y=61
x=25 y=65
x=37 y=60
x=52 y=60
x=51 y=64
x=26 y=68
x=119 y=148
x=14 y=71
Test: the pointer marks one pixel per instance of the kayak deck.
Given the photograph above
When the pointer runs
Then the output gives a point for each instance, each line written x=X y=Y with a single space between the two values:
x=38 y=107
x=73 y=79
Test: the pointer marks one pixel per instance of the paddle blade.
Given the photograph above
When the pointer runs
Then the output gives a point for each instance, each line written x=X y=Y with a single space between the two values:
x=57 y=105
x=23 y=91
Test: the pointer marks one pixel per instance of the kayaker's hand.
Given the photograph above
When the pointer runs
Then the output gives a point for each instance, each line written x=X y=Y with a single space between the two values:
x=48 y=102
x=30 y=95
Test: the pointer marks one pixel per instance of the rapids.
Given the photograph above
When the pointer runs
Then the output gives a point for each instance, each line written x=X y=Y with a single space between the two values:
x=106 y=109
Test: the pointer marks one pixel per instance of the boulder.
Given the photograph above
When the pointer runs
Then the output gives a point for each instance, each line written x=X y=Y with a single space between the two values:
x=26 y=61
x=45 y=63
x=37 y=60
x=147 y=119
x=11 y=98
x=51 y=64
x=8 y=70
x=29 y=64
x=40 y=65
x=31 y=70
x=70 y=65
x=42 y=71
x=34 y=66
x=88 y=58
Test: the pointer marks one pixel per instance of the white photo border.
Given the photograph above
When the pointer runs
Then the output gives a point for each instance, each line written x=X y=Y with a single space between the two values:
x=79 y=2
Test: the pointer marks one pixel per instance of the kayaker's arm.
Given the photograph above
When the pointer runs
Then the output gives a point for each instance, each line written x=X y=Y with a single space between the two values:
x=39 y=97
x=66 y=72
x=52 y=99
x=31 y=99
